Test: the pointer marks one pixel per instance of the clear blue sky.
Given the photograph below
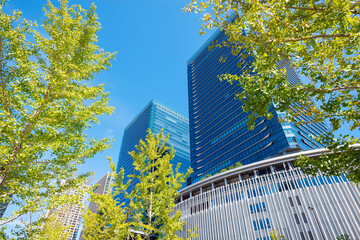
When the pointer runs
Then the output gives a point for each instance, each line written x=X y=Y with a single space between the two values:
x=154 y=39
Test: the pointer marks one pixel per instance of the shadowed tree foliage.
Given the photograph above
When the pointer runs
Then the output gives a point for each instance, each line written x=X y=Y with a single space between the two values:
x=320 y=40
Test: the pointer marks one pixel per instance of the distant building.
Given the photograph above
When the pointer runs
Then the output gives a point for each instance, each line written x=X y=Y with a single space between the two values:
x=219 y=136
x=156 y=117
x=103 y=187
x=3 y=207
x=70 y=215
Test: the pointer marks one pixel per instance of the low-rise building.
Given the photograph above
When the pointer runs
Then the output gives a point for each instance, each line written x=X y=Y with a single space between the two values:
x=250 y=201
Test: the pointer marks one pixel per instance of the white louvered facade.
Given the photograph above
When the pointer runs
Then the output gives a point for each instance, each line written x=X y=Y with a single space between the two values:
x=275 y=195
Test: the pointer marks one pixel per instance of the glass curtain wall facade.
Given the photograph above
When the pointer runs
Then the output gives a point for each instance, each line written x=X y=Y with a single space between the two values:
x=219 y=137
x=156 y=117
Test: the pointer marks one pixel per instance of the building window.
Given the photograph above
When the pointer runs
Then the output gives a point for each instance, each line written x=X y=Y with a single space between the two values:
x=291 y=201
x=298 y=200
x=304 y=217
x=311 y=237
x=302 y=236
x=261 y=224
x=258 y=207
x=296 y=218
x=263 y=205
x=268 y=223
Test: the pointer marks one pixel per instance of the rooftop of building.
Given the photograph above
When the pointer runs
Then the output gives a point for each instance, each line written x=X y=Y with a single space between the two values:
x=158 y=105
x=247 y=171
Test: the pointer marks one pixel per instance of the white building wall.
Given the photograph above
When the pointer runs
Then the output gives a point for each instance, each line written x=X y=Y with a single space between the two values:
x=250 y=209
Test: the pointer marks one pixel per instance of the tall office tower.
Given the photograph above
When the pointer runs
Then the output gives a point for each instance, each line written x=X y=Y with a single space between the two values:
x=70 y=215
x=219 y=137
x=156 y=117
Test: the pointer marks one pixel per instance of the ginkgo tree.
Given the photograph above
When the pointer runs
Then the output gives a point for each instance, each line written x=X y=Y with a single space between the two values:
x=149 y=207
x=109 y=219
x=47 y=101
x=320 y=40
x=152 y=201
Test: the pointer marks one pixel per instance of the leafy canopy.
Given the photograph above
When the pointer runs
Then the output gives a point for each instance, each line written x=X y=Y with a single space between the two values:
x=109 y=220
x=152 y=201
x=320 y=40
x=274 y=235
x=150 y=208
x=47 y=102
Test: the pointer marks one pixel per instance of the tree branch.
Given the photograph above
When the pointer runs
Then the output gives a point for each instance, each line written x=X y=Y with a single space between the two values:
x=330 y=89
x=318 y=9
x=28 y=128
x=307 y=9
x=12 y=219
x=2 y=81
x=354 y=5
x=308 y=38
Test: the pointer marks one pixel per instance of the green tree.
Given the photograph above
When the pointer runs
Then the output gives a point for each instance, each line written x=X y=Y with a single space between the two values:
x=47 y=227
x=47 y=103
x=238 y=164
x=152 y=201
x=343 y=237
x=206 y=176
x=49 y=223
x=109 y=222
x=320 y=40
x=274 y=235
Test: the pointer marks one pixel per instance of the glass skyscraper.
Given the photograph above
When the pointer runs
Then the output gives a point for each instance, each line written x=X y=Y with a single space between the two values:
x=219 y=136
x=156 y=117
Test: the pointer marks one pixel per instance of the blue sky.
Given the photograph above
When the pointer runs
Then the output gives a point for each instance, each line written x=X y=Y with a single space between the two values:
x=154 y=39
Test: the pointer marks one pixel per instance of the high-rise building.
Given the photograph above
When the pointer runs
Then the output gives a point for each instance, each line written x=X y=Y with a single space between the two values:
x=70 y=215
x=219 y=136
x=102 y=187
x=156 y=116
